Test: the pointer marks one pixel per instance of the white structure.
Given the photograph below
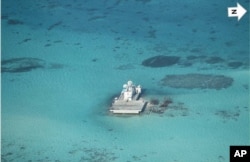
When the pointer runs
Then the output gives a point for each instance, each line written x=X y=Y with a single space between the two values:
x=130 y=91
x=128 y=102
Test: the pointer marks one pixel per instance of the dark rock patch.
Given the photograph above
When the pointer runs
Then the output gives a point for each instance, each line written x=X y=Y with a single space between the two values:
x=54 y=25
x=230 y=43
x=24 y=64
x=234 y=64
x=14 y=22
x=212 y=32
x=167 y=107
x=8 y=154
x=177 y=109
x=214 y=60
x=161 y=61
x=152 y=33
x=58 y=41
x=201 y=81
x=213 y=38
x=194 y=30
x=154 y=101
x=96 y=18
x=245 y=86
x=25 y=40
x=228 y=114
x=47 y=45
x=166 y=102
x=93 y=154
x=94 y=59
x=162 y=107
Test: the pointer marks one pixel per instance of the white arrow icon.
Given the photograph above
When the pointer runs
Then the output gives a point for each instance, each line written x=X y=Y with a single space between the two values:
x=238 y=11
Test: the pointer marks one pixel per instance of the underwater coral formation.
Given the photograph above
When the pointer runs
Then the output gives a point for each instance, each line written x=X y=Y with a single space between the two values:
x=25 y=64
x=202 y=81
x=159 y=107
x=214 y=60
x=161 y=61
x=154 y=101
x=17 y=65
x=235 y=64
x=167 y=107
x=14 y=22
x=226 y=115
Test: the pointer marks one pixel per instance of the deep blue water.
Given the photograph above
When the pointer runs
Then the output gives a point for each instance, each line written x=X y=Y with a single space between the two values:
x=63 y=62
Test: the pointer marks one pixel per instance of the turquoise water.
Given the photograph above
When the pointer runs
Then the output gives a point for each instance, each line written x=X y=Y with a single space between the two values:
x=64 y=61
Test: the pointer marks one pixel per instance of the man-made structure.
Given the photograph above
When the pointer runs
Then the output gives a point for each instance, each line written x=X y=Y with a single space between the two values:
x=129 y=101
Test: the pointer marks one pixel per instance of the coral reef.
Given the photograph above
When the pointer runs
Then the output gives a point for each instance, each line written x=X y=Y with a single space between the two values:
x=94 y=154
x=14 y=22
x=234 y=64
x=167 y=107
x=228 y=114
x=54 y=25
x=157 y=106
x=26 y=64
x=166 y=102
x=161 y=61
x=214 y=60
x=154 y=101
x=177 y=109
x=202 y=81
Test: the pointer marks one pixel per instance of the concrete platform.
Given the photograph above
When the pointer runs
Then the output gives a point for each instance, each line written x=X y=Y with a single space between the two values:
x=128 y=107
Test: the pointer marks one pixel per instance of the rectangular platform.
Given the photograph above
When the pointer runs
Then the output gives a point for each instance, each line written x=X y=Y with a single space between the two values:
x=127 y=107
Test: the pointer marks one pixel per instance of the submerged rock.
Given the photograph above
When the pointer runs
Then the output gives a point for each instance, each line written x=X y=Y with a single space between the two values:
x=14 y=22
x=202 y=81
x=214 y=60
x=26 y=64
x=161 y=61
x=17 y=65
x=235 y=64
